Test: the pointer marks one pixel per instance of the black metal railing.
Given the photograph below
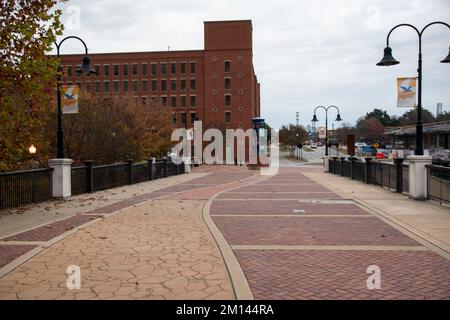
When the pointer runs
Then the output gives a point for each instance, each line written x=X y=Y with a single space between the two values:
x=24 y=187
x=438 y=183
x=91 y=178
x=393 y=176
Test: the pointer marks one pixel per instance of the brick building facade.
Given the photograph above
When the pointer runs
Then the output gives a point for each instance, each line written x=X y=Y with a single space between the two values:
x=217 y=85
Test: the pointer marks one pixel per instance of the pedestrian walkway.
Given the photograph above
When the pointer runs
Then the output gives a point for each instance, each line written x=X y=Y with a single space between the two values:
x=226 y=232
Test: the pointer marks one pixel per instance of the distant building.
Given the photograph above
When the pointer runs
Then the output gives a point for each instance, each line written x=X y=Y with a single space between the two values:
x=217 y=85
x=436 y=136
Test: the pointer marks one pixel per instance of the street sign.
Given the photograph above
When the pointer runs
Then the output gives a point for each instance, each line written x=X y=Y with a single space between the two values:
x=69 y=98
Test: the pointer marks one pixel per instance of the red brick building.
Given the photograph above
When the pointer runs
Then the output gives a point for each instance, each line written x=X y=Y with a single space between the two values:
x=217 y=85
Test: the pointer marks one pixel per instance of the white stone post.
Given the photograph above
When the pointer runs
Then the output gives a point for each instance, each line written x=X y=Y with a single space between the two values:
x=418 y=176
x=326 y=163
x=187 y=164
x=61 y=177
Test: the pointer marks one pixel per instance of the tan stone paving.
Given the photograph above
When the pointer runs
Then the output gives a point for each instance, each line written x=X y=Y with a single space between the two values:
x=160 y=249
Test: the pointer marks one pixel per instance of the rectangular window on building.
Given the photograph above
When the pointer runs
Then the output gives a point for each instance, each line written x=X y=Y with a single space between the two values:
x=69 y=71
x=163 y=68
x=227 y=83
x=173 y=85
x=78 y=68
x=174 y=118
x=88 y=86
x=116 y=86
x=183 y=101
x=135 y=85
x=173 y=101
x=192 y=67
x=106 y=86
x=144 y=69
x=106 y=69
x=192 y=84
x=79 y=85
x=193 y=101
x=193 y=116
x=228 y=100
x=97 y=70
x=125 y=69
x=153 y=68
x=164 y=101
x=182 y=84
x=97 y=87
x=144 y=85
x=228 y=117
x=173 y=68
x=227 y=66
x=183 y=117
x=135 y=69
x=154 y=85
x=125 y=85
x=163 y=85
x=116 y=70
x=183 y=67
x=144 y=101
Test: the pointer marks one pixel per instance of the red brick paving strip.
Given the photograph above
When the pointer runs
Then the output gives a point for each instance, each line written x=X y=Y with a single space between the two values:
x=51 y=230
x=9 y=253
x=283 y=188
x=252 y=207
x=275 y=274
x=310 y=231
x=279 y=195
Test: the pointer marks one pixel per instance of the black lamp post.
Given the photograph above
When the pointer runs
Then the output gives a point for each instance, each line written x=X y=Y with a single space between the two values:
x=85 y=68
x=388 y=60
x=338 y=118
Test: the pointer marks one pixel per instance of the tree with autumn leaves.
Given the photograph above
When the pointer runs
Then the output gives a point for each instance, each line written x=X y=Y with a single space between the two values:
x=103 y=131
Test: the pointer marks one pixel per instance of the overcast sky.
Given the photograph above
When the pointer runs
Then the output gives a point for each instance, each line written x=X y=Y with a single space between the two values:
x=306 y=52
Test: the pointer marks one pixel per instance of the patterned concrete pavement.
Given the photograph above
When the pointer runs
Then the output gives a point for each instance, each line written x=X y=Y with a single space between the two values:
x=229 y=233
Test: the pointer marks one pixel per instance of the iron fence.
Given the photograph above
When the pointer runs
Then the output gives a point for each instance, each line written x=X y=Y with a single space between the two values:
x=24 y=187
x=438 y=183
x=91 y=178
x=392 y=176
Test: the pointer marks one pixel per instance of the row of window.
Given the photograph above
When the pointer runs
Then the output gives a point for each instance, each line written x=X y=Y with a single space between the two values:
x=142 y=85
x=135 y=70
x=227 y=119
x=173 y=66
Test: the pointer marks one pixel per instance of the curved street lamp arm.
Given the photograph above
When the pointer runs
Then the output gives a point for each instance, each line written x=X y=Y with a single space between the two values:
x=320 y=107
x=401 y=25
x=435 y=22
x=333 y=106
x=58 y=46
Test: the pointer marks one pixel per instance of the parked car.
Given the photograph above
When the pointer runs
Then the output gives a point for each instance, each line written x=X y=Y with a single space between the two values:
x=360 y=144
x=314 y=145
x=319 y=144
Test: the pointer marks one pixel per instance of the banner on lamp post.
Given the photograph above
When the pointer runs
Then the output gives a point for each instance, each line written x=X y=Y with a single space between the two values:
x=406 y=92
x=69 y=99
x=322 y=132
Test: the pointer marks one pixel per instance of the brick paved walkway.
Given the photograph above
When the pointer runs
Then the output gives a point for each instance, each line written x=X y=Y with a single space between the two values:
x=319 y=245
x=292 y=237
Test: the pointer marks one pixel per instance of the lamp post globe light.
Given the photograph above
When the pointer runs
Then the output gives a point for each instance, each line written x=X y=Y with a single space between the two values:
x=338 y=118
x=87 y=69
x=389 y=60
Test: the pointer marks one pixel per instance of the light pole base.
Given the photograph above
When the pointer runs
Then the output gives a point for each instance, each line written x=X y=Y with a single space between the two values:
x=418 y=176
x=61 y=177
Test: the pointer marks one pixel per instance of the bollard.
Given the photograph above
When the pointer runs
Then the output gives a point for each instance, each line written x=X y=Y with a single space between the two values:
x=334 y=164
x=352 y=160
x=342 y=166
x=165 y=166
x=150 y=168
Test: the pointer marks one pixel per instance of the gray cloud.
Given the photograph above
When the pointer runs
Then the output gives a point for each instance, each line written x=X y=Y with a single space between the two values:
x=306 y=53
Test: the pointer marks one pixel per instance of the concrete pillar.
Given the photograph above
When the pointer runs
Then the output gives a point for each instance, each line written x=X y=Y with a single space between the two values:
x=418 y=176
x=326 y=163
x=61 y=177
x=187 y=164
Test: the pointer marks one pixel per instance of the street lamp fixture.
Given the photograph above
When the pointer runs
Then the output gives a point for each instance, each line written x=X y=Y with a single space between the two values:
x=338 y=118
x=388 y=60
x=87 y=69
x=32 y=149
